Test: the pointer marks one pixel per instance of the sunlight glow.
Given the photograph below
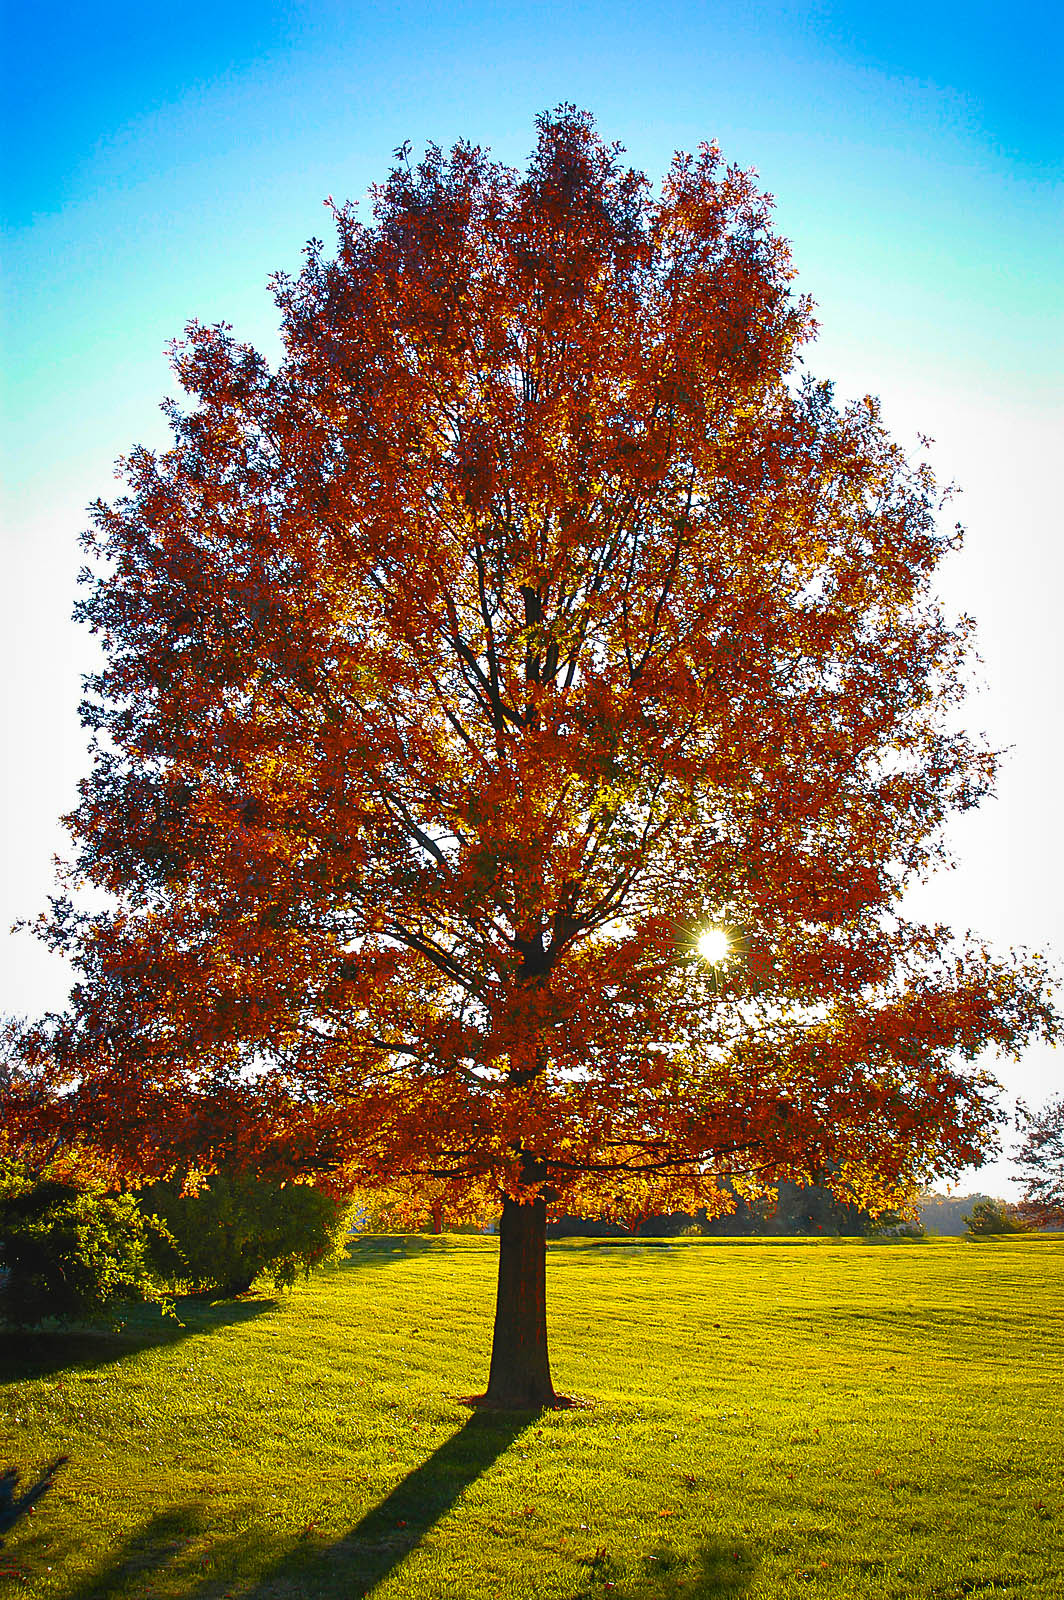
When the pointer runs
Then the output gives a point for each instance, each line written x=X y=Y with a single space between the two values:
x=714 y=945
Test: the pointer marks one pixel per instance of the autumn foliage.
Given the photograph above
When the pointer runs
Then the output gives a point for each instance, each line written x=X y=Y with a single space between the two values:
x=533 y=615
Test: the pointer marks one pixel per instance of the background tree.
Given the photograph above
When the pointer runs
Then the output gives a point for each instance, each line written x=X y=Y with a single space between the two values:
x=944 y=1214
x=1040 y=1158
x=993 y=1217
x=532 y=616
x=813 y=1209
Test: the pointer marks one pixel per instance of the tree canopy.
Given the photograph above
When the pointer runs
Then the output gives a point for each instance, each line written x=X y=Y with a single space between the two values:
x=534 y=616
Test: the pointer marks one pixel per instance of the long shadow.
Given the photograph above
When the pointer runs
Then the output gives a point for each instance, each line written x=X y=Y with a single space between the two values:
x=158 y=1544
x=385 y=1536
x=352 y=1566
x=41 y=1354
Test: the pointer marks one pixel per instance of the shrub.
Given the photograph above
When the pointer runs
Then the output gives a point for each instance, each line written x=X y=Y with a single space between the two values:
x=68 y=1248
x=221 y=1233
x=993 y=1216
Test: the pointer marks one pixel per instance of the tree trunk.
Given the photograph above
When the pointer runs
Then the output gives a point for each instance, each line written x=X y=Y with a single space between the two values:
x=437 y=1216
x=520 y=1367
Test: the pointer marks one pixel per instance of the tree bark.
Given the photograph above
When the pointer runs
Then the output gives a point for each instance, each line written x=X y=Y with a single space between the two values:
x=520 y=1367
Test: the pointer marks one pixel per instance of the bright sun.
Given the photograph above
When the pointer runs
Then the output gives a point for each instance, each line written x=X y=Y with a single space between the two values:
x=714 y=945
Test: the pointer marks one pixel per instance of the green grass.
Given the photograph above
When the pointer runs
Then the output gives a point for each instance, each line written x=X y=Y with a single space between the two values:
x=770 y=1419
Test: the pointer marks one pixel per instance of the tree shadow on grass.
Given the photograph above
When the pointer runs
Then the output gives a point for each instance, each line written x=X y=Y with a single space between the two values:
x=179 y=1542
x=167 y=1542
x=192 y=1557
x=386 y=1535
x=41 y=1353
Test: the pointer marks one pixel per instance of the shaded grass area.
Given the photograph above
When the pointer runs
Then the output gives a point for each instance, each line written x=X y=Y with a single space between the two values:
x=770 y=1419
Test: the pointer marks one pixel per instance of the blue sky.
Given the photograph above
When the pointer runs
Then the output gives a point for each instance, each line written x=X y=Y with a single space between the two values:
x=161 y=162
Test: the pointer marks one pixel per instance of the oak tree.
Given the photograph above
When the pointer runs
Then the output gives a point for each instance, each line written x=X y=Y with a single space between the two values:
x=531 y=617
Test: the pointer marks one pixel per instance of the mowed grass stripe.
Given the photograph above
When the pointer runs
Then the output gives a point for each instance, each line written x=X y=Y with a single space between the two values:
x=768 y=1419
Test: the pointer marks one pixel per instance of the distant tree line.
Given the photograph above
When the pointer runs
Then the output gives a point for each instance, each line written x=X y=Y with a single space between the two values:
x=792 y=1209
x=810 y=1209
x=947 y=1214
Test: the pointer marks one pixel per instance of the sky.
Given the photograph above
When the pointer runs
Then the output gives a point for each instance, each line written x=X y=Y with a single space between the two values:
x=160 y=162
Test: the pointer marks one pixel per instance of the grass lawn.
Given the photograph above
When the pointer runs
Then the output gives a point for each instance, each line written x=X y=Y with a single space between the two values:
x=770 y=1419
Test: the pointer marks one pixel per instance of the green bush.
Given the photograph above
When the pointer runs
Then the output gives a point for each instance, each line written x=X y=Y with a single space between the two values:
x=993 y=1216
x=69 y=1249
x=237 y=1225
